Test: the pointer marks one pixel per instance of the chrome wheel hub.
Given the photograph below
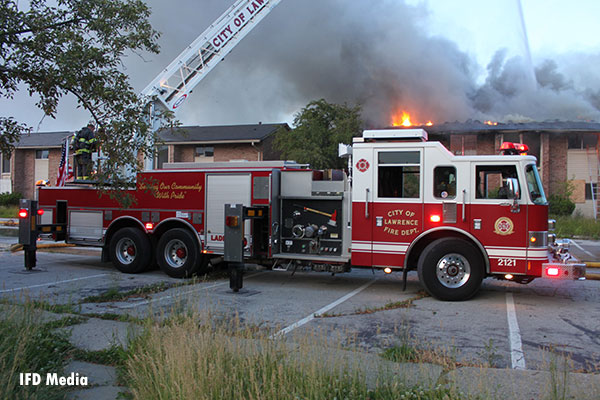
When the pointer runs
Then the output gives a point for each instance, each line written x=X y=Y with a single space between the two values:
x=453 y=270
x=126 y=251
x=175 y=253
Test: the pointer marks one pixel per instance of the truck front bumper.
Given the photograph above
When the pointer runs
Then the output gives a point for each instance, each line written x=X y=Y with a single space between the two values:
x=558 y=270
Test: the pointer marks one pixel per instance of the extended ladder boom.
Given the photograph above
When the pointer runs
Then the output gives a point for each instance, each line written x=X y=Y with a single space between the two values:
x=172 y=86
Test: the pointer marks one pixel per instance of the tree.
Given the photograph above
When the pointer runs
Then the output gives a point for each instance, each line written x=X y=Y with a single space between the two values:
x=75 y=47
x=318 y=129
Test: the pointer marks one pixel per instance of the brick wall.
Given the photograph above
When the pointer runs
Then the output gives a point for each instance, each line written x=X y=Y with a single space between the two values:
x=227 y=152
x=53 y=163
x=486 y=143
x=23 y=172
x=184 y=153
x=557 y=162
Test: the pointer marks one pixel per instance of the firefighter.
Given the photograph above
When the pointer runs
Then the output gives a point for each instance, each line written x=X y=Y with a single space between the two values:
x=84 y=143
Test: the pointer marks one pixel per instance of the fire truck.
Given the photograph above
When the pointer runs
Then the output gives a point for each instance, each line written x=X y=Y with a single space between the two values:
x=410 y=205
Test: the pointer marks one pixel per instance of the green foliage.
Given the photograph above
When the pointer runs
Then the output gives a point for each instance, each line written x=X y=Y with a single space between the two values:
x=10 y=199
x=74 y=47
x=401 y=353
x=577 y=226
x=9 y=212
x=191 y=358
x=560 y=203
x=114 y=355
x=318 y=128
x=26 y=345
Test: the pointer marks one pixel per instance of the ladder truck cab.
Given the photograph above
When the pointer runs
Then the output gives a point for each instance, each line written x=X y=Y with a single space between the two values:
x=410 y=205
x=455 y=219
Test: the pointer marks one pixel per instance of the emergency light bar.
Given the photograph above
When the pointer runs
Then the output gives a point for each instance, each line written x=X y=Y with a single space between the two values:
x=510 y=148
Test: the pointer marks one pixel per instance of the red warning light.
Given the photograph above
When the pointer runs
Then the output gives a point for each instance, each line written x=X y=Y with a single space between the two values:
x=149 y=226
x=553 y=271
x=435 y=218
x=40 y=212
x=23 y=213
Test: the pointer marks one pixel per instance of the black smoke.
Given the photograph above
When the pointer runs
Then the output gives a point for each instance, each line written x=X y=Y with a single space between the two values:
x=373 y=52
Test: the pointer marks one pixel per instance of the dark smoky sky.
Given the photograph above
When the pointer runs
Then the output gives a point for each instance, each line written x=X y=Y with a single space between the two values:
x=377 y=53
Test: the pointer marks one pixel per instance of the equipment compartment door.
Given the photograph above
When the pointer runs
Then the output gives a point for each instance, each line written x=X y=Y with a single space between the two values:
x=220 y=190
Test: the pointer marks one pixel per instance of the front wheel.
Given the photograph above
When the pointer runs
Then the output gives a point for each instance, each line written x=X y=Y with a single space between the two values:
x=178 y=253
x=451 y=269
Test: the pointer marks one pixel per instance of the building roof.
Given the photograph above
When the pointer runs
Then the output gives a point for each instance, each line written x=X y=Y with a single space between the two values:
x=182 y=134
x=220 y=134
x=43 y=140
x=472 y=126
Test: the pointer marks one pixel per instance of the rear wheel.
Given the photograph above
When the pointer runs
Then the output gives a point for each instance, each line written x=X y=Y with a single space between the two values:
x=178 y=254
x=451 y=269
x=130 y=250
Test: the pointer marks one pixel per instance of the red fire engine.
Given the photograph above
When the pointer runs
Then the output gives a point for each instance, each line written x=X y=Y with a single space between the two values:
x=410 y=205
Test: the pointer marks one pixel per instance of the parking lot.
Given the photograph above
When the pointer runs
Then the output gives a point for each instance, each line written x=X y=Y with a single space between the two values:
x=506 y=325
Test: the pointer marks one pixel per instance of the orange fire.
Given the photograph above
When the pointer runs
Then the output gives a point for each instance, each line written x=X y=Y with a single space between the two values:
x=403 y=119
x=492 y=123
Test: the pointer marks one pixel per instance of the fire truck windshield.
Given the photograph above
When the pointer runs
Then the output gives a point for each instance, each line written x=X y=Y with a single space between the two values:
x=534 y=185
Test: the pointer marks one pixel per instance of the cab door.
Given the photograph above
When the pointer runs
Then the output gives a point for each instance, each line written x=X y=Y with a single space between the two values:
x=497 y=221
x=397 y=206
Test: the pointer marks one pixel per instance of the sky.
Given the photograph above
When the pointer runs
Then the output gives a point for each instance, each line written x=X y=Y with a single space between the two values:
x=439 y=60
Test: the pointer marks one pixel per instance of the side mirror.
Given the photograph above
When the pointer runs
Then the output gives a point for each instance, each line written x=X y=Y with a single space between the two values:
x=512 y=186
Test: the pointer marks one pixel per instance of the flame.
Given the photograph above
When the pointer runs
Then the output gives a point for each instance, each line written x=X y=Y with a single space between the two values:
x=492 y=123
x=403 y=119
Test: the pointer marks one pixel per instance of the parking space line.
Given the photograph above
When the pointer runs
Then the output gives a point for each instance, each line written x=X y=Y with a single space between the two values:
x=170 y=296
x=582 y=249
x=514 y=334
x=321 y=310
x=52 y=283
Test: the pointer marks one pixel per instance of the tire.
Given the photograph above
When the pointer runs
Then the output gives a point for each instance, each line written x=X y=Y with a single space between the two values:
x=451 y=269
x=130 y=250
x=178 y=254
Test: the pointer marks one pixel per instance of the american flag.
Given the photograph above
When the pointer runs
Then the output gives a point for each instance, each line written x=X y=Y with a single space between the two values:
x=64 y=168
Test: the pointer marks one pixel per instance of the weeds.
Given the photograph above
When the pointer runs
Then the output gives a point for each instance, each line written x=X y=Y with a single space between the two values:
x=577 y=226
x=114 y=355
x=195 y=357
x=27 y=346
x=114 y=294
x=489 y=354
x=370 y=310
x=64 y=322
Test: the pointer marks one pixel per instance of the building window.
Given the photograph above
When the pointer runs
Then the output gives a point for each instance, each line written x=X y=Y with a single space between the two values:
x=5 y=163
x=162 y=156
x=399 y=174
x=581 y=141
x=444 y=182
x=591 y=189
x=42 y=154
x=206 y=151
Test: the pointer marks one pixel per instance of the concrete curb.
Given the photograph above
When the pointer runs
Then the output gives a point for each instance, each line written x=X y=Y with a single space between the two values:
x=593 y=264
x=18 y=247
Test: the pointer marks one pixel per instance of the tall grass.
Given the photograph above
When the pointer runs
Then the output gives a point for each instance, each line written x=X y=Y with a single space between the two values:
x=194 y=358
x=9 y=211
x=579 y=226
x=26 y=345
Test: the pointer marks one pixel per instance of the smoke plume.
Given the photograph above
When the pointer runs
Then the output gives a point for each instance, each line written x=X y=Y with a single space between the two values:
x=375 y=53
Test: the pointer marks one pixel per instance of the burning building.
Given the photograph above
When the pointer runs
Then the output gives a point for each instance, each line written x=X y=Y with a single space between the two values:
x=566 y=151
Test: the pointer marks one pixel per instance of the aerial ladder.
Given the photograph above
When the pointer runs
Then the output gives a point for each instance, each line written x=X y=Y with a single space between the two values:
x=172 y=86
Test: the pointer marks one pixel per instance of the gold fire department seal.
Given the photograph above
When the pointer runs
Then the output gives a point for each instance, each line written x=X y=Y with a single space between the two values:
x=503 y=226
